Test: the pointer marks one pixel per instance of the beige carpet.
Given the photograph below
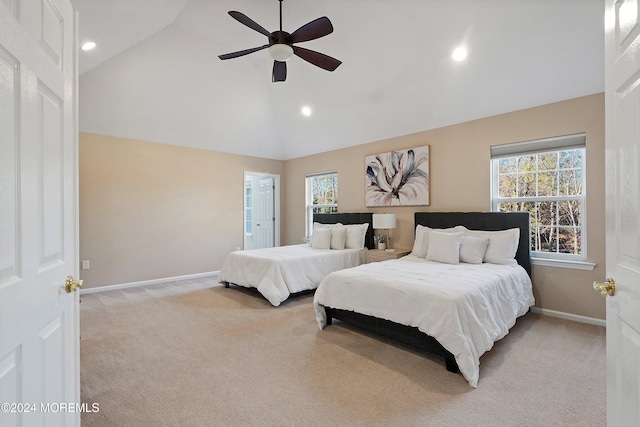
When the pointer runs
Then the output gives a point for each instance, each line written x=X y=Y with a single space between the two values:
x=193 y=353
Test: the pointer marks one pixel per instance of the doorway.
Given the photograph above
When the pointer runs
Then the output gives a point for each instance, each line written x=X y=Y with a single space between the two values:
x=261 y=210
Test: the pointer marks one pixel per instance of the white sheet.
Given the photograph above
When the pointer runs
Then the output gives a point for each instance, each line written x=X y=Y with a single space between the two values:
x=466 y=307
x=283 y=270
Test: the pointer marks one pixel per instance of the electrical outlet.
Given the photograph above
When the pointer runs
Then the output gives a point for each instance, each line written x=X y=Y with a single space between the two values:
x=85 y=264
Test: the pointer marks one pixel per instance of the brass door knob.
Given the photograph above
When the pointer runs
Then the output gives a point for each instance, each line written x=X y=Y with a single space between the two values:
x=606 y=288
x=71 y=285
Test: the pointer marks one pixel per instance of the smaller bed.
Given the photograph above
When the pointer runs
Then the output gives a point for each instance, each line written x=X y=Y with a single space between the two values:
x=281 y=271
x=455 y=310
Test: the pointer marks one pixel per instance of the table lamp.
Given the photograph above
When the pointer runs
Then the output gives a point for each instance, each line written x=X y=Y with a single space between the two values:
x=384 y=222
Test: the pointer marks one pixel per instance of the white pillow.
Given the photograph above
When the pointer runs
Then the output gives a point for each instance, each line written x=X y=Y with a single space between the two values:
x=444 y=247
x=503 y=245
x=421 y=242
x=321 y=238
x=317 y=225
x=419 y=246
x=338 y=237
x=355 y=235
x=472 y=249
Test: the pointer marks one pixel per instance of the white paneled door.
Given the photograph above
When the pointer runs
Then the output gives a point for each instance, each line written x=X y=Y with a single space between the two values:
x=622 y=86
x=261 y=215
x=39 y=325
x=265 y=220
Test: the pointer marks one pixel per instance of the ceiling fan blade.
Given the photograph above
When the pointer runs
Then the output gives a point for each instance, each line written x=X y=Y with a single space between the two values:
x=244 y=19
x=316 y=58
x=313 y=30
x=279 y=71
x=242 y=52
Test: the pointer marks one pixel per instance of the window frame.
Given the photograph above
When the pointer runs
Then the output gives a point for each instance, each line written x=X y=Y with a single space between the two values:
x=309 y=199
x=534 y=147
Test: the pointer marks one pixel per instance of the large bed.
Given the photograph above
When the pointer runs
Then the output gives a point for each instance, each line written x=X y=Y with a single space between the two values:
x=457 y=310
x=281 y=271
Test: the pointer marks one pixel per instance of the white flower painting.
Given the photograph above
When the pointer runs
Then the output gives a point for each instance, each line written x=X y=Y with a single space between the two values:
x=398 y=178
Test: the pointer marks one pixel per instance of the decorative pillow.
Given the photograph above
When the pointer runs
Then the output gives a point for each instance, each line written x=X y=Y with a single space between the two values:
x=419 y=246
x=355 y=235
x=321 y=238
x=444 y=247
x=338 y=237
x=317 y=225
x=503 y=245
x=472 y=249
x=421 y=242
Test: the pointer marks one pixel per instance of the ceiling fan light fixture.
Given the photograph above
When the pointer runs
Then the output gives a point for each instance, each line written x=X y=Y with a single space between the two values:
x=459 y=54
x=280 y=52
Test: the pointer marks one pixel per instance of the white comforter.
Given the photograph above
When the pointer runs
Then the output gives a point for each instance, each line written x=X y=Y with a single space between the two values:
x=466 y=307
x=283 y=270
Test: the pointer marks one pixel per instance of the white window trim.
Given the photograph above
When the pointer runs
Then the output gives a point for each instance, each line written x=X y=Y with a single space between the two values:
x=563 y=263
x=562 y=143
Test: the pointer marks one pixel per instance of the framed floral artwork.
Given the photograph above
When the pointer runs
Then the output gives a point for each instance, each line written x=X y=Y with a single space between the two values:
x=398 y=178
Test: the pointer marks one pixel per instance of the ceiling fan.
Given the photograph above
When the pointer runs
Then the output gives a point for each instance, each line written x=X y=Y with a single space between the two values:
x=281 y=46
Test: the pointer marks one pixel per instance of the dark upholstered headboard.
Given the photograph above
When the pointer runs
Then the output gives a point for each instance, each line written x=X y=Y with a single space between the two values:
x=349 y=218
x=491 y=221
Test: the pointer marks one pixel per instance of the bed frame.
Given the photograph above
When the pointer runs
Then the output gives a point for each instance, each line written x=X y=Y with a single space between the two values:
x=412 y=336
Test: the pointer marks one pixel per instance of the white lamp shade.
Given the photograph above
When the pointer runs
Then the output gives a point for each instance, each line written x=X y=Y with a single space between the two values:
x=384 y=221
x=280 y=52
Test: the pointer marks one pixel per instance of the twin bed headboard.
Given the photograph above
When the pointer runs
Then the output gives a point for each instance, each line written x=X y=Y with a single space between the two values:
x=349 y=218
x=490 y=221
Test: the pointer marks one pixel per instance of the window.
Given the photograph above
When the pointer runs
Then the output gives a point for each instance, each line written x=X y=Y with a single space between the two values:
x=547 y=179
x=322 y=195
x=248 y=211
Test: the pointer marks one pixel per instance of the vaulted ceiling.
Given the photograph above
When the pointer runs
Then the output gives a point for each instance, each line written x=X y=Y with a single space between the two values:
x=155 y=74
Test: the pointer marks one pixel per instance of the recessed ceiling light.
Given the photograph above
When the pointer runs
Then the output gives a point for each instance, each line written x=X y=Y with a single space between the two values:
x=459 y=54
x=88 y=45
x=306 y=111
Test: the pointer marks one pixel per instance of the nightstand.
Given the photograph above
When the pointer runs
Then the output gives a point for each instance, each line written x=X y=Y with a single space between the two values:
x=375 y=255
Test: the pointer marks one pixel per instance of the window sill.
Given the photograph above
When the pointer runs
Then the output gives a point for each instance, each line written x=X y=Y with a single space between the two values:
x=576 y=265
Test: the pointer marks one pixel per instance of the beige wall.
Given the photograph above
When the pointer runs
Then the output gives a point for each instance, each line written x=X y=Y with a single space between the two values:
x=150 y=211
x=460 y=176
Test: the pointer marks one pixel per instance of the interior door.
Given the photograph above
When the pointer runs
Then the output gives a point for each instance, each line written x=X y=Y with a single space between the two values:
x=622 y=94
x=261 y=212
x=265 y=213
x=39 y=326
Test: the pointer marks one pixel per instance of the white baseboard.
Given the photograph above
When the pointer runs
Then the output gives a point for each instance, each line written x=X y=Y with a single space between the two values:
x=569 y=316
x=147 y=282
